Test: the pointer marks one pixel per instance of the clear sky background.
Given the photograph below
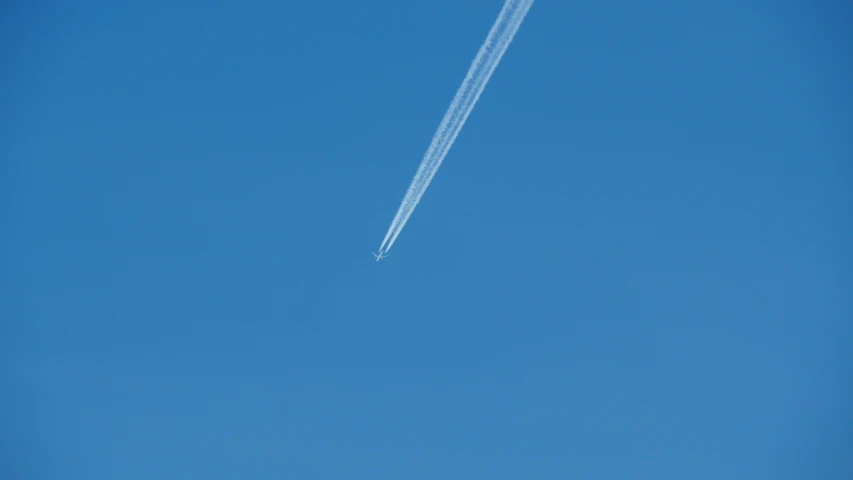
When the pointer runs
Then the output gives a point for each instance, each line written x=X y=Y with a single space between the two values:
x=634 y=263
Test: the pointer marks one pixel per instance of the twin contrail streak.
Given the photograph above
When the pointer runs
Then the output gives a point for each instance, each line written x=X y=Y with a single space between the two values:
x=509 y=20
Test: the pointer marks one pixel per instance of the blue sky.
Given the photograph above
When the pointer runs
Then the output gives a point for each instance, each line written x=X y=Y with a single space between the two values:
x=634 y=262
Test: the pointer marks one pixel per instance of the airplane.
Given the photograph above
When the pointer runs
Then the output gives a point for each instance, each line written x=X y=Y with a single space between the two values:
x=380 y=256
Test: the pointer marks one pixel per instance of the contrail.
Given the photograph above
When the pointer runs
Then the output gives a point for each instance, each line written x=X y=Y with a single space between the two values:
x=462 y=97
x=501 y=34
x=481 y=69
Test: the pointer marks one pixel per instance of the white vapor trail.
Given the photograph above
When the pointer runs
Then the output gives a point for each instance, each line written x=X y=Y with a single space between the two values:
x=504 y=29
